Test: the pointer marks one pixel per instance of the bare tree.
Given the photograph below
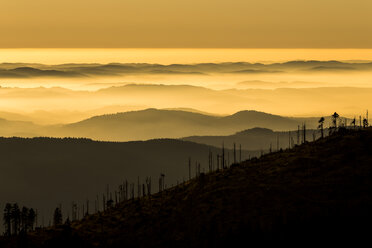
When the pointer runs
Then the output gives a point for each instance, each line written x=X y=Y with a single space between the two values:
x=223 y=155
x=148 y=183
x=353 y=122
x=189 y=168
x=321 y=126
x=365 y=123
x=234 y=153
x=240 y=153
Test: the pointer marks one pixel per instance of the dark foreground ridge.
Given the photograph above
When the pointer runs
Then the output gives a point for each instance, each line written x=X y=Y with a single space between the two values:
x=319 y=193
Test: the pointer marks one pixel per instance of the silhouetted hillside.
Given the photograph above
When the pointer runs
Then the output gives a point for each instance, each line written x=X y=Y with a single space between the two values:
x=44 y=172
x=317 y=193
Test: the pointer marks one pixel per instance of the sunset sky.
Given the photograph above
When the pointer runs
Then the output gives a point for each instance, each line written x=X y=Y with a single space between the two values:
x=39 y=36
x=186 y=23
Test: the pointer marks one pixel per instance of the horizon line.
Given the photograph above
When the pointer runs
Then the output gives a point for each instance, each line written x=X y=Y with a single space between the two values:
x=230 y=48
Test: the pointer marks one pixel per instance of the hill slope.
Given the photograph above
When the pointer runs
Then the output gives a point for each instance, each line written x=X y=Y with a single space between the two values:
x=45 y=172
x=317 y=192
x=255 y=139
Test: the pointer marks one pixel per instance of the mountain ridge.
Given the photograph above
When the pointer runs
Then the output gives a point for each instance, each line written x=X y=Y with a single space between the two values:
x=155 y=123
x=20 y=70
x=176 y=124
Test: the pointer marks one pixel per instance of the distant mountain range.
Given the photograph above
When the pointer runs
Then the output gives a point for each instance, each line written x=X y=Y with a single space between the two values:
x=281 y=101
x=258 y=139
x=24 y=70
x=155 y=123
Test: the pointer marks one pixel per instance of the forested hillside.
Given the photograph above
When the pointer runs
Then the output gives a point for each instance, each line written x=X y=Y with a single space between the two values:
x=316 y=193
x=44 y=172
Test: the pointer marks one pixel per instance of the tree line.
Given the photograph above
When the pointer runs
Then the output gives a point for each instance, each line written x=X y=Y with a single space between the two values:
x=18 y=220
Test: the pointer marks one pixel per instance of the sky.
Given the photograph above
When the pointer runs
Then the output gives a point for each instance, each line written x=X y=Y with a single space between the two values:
x=186 y=24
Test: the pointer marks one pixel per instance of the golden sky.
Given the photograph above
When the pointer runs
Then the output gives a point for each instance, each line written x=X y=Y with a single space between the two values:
x=186 y=23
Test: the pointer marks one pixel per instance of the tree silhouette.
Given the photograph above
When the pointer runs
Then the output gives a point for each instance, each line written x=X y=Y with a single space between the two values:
x=16 y=220
x=335 y=117
x=31 y=218
x=223 y=155
x=240 y=153
x=234 y=153
x=67 y=222
x=57 y=217
x=16 y=217
x=161 y=182
x=365 y=123
x=353 y=122
x=321 y=126
x=189 y=168
x=24 y=219
x=110 y=202
x=7 y=218
x=148 y=184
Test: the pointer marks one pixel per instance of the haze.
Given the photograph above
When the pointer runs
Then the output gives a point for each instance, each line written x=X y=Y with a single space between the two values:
x=67 y=93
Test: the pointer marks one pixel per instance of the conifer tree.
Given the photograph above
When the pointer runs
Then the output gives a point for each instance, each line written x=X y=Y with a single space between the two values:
x=57 y=217
x=24 y=219
x=16 y=218
x=7 y=218
x=31 y=218
x=365 y=123
x=335 y=117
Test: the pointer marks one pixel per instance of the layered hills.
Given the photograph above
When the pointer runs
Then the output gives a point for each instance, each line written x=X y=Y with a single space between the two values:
x=258 y=139
x=154 y=123
x=24 y=70
x=159 y=123
x=319 y=192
